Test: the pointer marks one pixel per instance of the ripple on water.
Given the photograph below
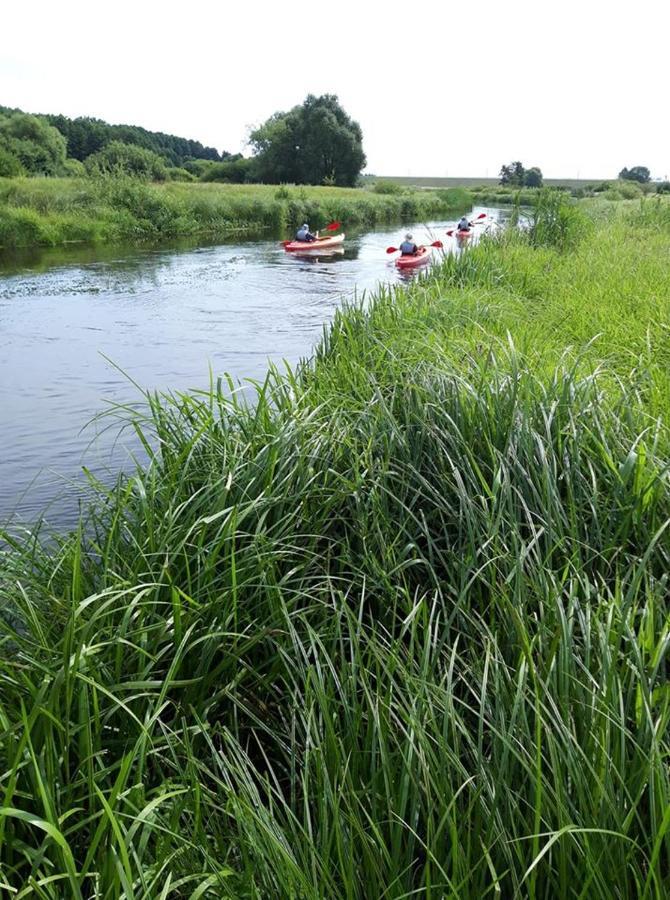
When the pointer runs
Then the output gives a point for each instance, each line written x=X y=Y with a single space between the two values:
x=75 y=336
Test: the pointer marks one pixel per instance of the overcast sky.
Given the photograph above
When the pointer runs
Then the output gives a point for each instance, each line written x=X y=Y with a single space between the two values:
x=578 y=87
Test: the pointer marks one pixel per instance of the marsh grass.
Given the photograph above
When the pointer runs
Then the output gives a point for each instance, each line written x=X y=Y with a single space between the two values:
x=394 y=626
x=51 y=211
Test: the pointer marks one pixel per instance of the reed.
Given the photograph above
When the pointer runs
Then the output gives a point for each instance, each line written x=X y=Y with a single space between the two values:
x=48 y=212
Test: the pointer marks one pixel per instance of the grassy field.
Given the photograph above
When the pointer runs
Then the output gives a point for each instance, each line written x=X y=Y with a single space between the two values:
x=436 y=183
x=397 y=628
x=53 y=211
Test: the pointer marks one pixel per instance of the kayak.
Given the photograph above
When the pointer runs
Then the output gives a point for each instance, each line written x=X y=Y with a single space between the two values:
x=318 y=244
x=463 y=234
x=411 y=262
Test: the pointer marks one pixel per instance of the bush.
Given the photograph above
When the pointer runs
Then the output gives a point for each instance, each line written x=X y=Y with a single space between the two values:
x=455 y=198
x=74 y=168
x=39 y=147
x=629 y=190
x=127 y=159
x=387 y=187
x=235 y=171
x=178 y=174
x=663 y=187
x=198 y=167
x=10 y=165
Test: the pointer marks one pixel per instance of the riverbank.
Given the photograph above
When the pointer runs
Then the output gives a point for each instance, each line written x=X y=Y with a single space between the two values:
x=398 y=628
x=54 y=211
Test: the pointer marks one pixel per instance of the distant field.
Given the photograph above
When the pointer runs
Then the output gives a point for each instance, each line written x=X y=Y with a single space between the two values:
x=429 y=182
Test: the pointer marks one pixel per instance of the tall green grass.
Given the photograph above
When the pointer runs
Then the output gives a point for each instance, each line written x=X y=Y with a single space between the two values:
x=395 y=625
x=53 y=211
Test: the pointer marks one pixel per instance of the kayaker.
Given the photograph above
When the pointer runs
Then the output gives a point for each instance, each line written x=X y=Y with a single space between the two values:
x=408 y=247
x=304 y=234
x=465 y=224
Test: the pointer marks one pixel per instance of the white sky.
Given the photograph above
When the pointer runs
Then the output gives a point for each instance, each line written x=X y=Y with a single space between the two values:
x=578 y=87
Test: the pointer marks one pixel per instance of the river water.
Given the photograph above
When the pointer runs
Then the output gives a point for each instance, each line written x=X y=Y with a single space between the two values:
x=79 y=326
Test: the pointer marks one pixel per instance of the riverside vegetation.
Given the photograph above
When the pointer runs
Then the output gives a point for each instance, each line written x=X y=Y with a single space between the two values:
x=397 y=627
x=52 y=211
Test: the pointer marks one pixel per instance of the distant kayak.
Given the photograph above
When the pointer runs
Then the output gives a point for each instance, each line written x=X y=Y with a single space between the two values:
x=417 y=259
x=318 y=244
x=463 y=234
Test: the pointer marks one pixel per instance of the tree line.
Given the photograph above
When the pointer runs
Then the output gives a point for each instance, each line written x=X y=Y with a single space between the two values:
x=515 y=174
x=315 y=142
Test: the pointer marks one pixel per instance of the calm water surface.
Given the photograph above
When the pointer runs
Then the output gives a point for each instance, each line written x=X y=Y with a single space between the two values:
x=77 y=325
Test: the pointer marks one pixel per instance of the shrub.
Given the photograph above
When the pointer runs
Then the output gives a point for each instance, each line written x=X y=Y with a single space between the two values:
x=235 y=171
x=179 y=174
x=455 y=198
x=74 y=168
x=663 y=187
x=39 y=147
x=118 y=158
x=387 y=187
x=10 y=165
x=629 y=190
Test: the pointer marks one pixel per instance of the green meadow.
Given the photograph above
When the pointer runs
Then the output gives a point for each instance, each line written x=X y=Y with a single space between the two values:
x=396 y=625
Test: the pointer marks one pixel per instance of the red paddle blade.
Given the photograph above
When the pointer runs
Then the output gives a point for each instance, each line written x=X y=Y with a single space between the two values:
x=437 y=244
x=450 y=234
x=391 y=249
x=481 y=216
x=333 y=226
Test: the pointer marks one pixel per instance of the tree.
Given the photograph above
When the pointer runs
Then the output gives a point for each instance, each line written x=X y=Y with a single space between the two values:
x=640 y=174
x=39 y=148
x=533 y=177
x=118 y=158
x=86 y=136
x=309 y=144
x=512 y=175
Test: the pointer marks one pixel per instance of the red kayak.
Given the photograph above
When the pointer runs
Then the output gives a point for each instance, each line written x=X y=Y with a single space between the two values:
x=419 y=258
x=463 y=234
x=318 y=244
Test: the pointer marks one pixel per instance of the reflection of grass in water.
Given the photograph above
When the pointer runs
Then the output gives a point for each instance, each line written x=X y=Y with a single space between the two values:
x=57 y=210
x=397 y=627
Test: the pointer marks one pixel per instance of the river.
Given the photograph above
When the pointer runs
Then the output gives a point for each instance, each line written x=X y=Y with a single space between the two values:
x=82 y=328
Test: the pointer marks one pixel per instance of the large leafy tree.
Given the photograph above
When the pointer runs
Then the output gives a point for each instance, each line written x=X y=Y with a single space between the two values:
x=533 y=177
x=314 y=143
x=637 y=173
x=512 y=174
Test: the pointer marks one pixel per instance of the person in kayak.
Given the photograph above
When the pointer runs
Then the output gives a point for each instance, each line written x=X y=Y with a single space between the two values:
x=304 y=234
x=408 y=247
x=465 y=224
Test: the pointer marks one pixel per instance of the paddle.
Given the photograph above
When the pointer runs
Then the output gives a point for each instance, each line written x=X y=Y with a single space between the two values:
x=476 y=221
x=437 y=244
x=332 y=226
